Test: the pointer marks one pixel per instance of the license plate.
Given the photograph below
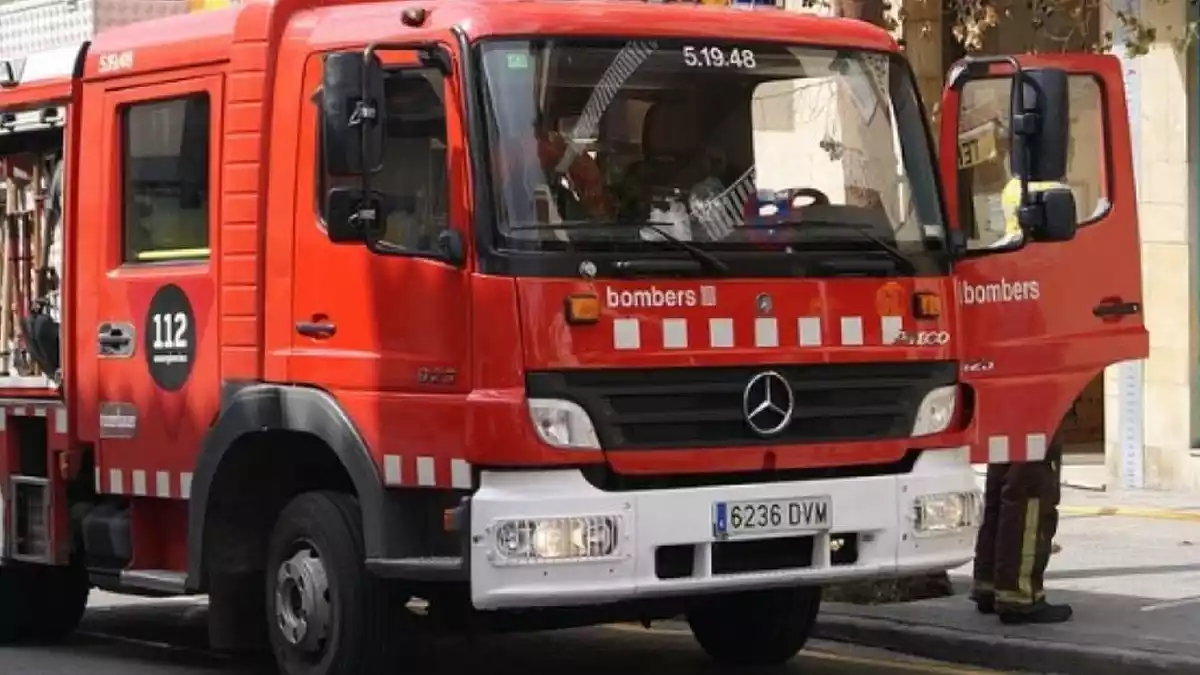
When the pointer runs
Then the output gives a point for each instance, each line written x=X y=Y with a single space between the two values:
x=771 y=516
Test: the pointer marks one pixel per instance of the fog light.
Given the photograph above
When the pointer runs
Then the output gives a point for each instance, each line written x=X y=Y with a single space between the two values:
x=947 y=512
x=532 y=540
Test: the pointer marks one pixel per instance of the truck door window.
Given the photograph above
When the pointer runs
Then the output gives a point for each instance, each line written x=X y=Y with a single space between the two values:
x=414 y=175
x=165 y=146
x=989 y=193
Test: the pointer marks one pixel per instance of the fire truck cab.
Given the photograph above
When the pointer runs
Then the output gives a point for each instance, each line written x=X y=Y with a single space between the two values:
x=542 y=313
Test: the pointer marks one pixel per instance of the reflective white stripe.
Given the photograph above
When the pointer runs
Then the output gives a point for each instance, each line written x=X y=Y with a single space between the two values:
x=891 y=326
x=162 y=484
x=139 y=483
x=766 y=332
x=997 y=449
x=27 y=409
x=392 y=472
x=1035 y=447
x=810 y=331
x=626 y=334
x=1001 y=451
x=720 y=333
x=460 y=474
x=675 y=334
x=427 y=473
x=852 y=330
x=726 y=333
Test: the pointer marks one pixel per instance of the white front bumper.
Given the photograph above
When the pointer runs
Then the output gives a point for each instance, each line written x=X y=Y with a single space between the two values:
x=879 y=509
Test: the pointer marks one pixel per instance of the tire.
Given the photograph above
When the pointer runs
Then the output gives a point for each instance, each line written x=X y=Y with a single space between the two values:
x=352 y=624
x=56 y=598
x=756 y=628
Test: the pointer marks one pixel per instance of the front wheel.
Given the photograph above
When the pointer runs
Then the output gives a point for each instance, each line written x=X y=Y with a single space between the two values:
x=53 y=601
x=326 y=613
x=755 y=628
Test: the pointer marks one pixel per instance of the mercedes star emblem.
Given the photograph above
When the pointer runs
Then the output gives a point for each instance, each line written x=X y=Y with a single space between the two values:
x=768 y=403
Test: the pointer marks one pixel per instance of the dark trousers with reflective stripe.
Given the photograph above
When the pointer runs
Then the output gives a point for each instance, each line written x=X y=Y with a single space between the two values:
x=1020 y=519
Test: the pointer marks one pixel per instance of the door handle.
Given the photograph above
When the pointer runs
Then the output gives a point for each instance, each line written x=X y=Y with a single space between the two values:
x=317 y=329
x=1115 y=308
x=115 y=339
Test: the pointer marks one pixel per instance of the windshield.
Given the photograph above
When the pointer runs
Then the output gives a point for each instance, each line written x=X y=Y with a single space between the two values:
x=733 y=147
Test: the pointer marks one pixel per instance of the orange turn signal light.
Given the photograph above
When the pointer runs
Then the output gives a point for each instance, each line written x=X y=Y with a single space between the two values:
x=927 y=305
x=582 y=308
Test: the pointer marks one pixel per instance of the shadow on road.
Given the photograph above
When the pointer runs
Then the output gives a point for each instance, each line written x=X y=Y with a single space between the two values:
x=174 y=632
x=169 y=637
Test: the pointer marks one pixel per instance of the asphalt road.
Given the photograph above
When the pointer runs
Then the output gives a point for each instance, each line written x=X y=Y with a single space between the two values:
x=141 y=637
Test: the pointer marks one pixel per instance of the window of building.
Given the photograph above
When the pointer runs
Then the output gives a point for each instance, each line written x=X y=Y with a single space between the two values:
x=414 y=176
x=988 y=193
x=165 y=161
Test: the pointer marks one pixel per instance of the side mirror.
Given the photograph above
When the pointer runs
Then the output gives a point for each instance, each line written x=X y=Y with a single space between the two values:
x=352 y=113
x=1049 y=215
x=353 y=216
x=1041 y=124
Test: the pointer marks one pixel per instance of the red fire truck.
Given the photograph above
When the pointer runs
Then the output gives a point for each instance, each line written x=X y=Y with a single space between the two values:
x=542 y=313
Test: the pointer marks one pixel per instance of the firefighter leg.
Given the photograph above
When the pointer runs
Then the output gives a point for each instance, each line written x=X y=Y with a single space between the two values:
x=983 y=588
x=1027 y=524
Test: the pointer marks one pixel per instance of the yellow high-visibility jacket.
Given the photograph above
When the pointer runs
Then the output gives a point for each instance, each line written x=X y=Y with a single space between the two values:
x=1010 y=200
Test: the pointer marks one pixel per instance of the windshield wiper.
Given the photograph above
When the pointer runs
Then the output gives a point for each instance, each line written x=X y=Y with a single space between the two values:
x=894 y=253
x=709 y=262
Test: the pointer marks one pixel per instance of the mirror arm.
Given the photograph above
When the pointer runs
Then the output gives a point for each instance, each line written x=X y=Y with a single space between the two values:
x=366 y=112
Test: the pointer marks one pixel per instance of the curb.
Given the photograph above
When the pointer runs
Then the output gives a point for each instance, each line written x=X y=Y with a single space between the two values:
x=998 y=651
x=1130 y=512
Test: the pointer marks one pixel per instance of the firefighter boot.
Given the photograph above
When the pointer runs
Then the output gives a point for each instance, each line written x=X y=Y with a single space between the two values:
x=1039 y=612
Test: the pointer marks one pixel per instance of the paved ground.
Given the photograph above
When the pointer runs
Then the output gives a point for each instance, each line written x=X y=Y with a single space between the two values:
x=1130 y=565
x=120 y=637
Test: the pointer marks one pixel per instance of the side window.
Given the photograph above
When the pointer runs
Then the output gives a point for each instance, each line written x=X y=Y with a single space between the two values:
x=165 y=156
x=414 y=175
x=988 y=194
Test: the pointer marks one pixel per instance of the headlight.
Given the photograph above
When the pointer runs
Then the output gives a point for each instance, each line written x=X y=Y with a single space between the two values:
x=947 y=512
x=563 y=424
x=533 y=540
x=936 y=411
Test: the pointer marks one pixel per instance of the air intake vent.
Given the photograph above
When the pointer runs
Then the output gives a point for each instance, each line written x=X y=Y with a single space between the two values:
x=30 y=519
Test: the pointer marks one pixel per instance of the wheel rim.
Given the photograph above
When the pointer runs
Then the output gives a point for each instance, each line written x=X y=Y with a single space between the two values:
x=303 y=610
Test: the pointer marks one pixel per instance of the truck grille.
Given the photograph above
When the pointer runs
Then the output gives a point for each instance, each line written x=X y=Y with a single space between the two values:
x=702 y=407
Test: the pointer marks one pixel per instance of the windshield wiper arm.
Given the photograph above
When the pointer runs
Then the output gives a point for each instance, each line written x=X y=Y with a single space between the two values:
x=894 y=253
x=708 y=261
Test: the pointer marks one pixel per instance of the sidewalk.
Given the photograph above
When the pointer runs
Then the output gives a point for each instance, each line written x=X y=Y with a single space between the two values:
x=1130 y=566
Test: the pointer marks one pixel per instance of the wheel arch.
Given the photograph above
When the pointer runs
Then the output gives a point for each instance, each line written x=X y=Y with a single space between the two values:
x=251 y=409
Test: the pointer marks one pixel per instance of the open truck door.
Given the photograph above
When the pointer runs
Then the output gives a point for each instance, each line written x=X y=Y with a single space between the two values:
x=1040 y=318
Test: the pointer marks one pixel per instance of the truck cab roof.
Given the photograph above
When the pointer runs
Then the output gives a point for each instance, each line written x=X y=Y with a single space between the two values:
x=208 y=37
